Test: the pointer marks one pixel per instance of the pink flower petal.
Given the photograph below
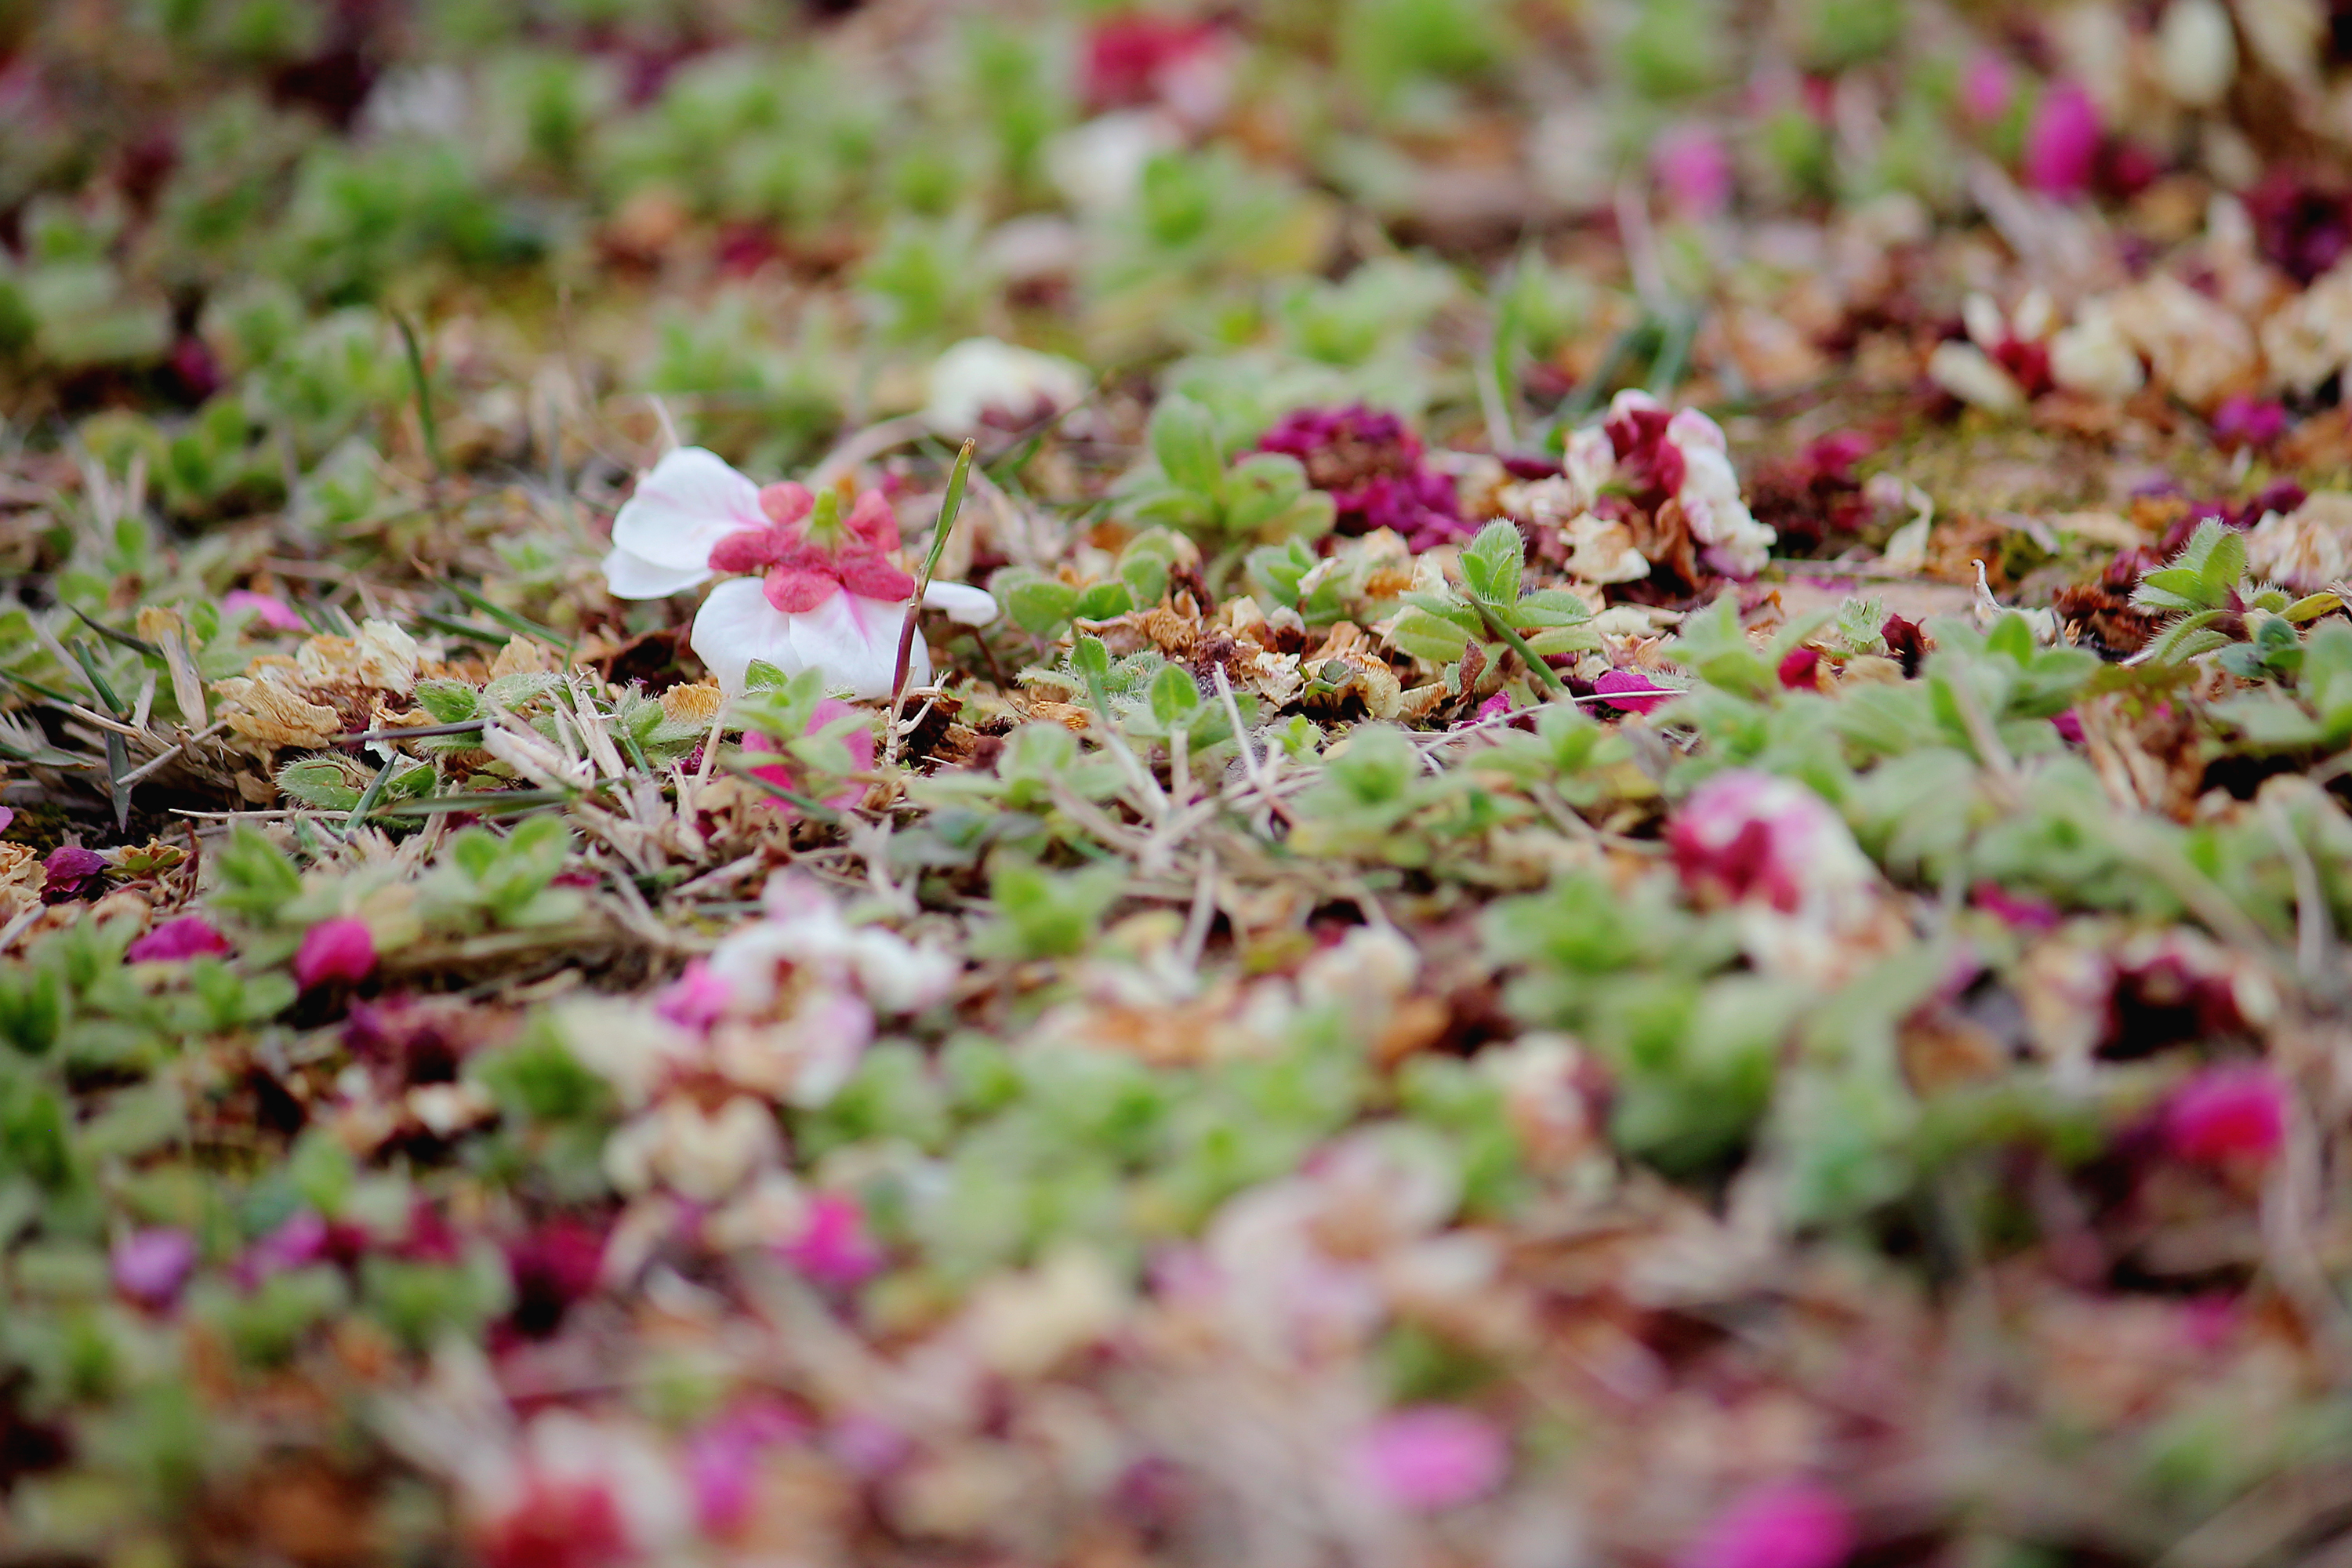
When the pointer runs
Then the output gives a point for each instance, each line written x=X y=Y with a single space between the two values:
x=690 y=503
x=1790 y=1524
x=698 y=998
x=70 y=869
x=340 y=948
x=1433 y=1456
x=267 y=609
x=1631 y=693
x=150 y=1266
x=1988 y=87
x=2062 y=141
x=1695 y=170
x=834 y=1248
x=189 y=936
x=2226 y=1114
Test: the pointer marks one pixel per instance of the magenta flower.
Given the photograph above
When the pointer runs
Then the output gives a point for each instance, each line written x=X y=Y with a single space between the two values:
x=339 y=949
x=834 y=1248
x=858 y=743
x=1629 y=692
x=697 y=998
x=1128 y=56
x=269 y=609
x=1694 y=168
x=2226 y=1115
x=190 y=936
x=2062 y=143
x=1988 y=87
x=1789 y=1524
x=150 y=1266
x=2243 y=421
x=71 y=869
x=553 y=1269
x=1371 y=465
x=1433 y=1456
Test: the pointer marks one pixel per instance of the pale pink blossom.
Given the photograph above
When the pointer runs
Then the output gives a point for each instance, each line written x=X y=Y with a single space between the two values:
x=1988 y=86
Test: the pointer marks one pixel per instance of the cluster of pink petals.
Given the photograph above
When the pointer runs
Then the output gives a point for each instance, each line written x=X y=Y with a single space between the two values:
x=1661 y=454
x=802 y=571
x=340 y=948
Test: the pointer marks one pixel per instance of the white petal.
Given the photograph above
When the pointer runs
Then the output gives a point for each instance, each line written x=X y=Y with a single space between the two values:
x=690 y=501
x=736 y=625
x=635 y=577
x=960 y=603
x=855 y=642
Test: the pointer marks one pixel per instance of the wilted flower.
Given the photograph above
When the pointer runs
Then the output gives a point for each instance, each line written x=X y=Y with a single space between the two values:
x=2093 y=358
x=983 y=381
x=826 y=595
x=2226 y=1114
x=1790 y=1524
x=190 y=936
x=1753 y=836
x=1683 y=456
x=70 y=870
x=338 y=948
x=150 y=1266
x=574 y=1494
x=804 y=927
x=1433 y=1456
x=701 y=1156
x=1371 y=463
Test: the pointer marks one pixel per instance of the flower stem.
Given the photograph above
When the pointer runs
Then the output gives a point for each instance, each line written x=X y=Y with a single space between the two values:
x=1518 y=645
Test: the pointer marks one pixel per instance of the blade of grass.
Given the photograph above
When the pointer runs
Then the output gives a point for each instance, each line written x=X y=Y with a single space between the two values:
x=522 y=626
x=374 y=793
x=950 y=505
x=424 y=395
x=117 y=765
x=106 y=696
x=137 y=644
